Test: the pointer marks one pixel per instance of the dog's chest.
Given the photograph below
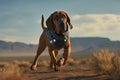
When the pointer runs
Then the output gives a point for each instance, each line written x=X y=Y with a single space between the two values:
x=55 y=41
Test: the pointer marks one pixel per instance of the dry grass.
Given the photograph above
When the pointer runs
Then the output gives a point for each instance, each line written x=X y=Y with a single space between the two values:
x=71 y=62
x=107 y=62
x=80 y=61
x=11 y=72
x=115 y=71
x=76 y=68
x=44 y=63
x=22 y=63
x=103 y=61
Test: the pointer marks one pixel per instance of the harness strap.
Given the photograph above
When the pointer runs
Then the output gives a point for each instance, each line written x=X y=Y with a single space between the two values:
x=56 y=41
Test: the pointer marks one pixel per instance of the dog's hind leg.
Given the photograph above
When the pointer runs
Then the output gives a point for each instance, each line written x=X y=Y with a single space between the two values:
x=41 y=48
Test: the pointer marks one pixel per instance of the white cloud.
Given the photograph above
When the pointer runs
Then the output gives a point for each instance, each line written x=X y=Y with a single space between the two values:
x=10 y=38
x=7 y=30
x=97 y=25
x=76 y=17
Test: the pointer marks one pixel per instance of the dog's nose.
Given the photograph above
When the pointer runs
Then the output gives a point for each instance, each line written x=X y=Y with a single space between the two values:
x=61 y=23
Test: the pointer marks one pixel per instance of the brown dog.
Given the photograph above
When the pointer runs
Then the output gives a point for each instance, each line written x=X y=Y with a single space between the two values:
x=58 y=23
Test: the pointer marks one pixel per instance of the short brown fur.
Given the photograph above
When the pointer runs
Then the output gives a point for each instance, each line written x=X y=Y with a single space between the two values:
x=53 y=22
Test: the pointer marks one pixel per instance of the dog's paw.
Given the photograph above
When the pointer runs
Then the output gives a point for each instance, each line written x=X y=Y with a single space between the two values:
x=33 y=68
x=60 y=62
x=57 y=69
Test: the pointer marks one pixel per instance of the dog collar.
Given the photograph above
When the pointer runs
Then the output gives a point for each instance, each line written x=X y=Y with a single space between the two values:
x=56 y=41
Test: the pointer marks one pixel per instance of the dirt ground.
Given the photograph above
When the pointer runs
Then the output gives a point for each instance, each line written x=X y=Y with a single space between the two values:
x=73 y=70
x=82 y=72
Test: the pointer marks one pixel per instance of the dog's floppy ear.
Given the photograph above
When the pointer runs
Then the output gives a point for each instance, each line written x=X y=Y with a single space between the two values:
x=49 y=22
x=68 y=20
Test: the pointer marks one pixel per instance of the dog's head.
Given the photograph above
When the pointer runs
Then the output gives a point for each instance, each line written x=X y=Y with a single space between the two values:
x=59 y=21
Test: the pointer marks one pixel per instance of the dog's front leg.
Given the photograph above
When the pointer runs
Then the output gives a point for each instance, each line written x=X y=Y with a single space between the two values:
x=66 y=54
x=53 y=59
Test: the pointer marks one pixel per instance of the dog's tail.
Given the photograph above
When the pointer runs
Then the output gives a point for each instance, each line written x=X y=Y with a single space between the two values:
x=42 y=22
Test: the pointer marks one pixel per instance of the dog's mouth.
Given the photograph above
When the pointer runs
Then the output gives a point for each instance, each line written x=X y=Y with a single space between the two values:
x=61 y=30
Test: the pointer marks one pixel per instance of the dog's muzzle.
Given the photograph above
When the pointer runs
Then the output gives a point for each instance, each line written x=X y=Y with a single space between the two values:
x=62 y=26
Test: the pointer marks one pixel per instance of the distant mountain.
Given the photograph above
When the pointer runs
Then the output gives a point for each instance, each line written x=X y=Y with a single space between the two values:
x=79 y=46
x=16 y=48
x=89 y=45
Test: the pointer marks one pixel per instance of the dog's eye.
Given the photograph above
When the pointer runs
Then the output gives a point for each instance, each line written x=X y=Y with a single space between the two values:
x=63 y=16
x=56 y=18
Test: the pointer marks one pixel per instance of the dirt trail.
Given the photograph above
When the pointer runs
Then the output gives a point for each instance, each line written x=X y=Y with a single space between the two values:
x=67 y=73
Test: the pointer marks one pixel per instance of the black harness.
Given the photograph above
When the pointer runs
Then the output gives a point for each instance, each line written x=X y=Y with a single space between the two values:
x=56 y=41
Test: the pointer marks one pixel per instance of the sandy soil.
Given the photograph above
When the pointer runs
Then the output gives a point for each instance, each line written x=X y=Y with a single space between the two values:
x=78 y=70
x=83 y=72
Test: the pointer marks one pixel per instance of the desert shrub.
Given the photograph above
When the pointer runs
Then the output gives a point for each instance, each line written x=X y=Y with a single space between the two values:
x=44 y=63
x=11 y=72
x=107 y=62
x=102 y=61
x=3 y=64
x=22 y=63
x=115 y=71
x=84 y=61
x=71 y=62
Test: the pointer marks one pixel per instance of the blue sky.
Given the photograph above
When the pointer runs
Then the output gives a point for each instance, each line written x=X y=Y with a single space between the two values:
x=20 y=19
